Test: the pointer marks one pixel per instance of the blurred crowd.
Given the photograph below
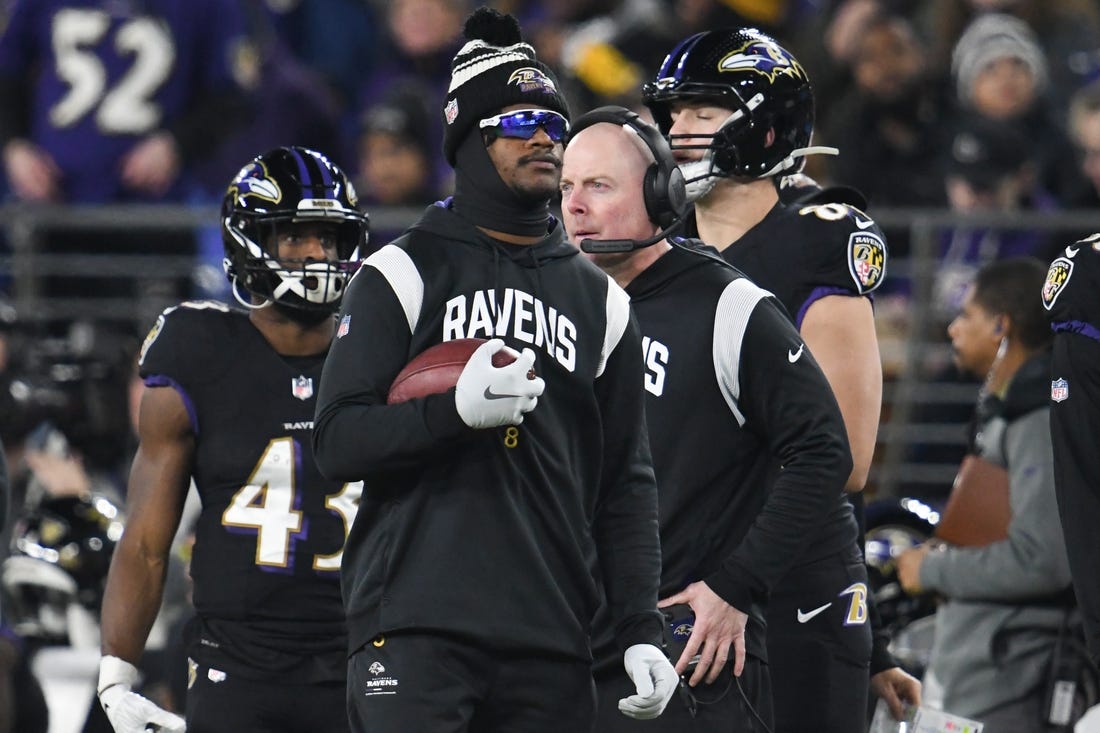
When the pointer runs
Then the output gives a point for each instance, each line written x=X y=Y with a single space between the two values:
x=967 y=103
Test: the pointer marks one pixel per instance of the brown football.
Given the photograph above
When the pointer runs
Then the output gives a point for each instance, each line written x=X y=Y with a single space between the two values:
x=437 y=369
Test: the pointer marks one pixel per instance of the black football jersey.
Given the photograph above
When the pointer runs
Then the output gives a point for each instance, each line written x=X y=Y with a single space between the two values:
x=1071 y=295
x=805 y=253
x=271 y=532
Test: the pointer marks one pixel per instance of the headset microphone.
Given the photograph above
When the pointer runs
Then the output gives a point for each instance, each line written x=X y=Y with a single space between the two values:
x=605 y=246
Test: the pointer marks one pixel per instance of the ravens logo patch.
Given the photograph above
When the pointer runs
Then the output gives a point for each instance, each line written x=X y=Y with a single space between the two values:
x=1057 y=277
x=866 y=260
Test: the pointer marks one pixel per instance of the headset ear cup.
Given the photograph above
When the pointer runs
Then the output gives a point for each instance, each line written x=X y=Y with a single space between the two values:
x=652 y=196
x=677 y=192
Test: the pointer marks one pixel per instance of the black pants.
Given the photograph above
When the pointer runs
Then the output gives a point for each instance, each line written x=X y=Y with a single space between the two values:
x=717 y=708
x=219 y=702
x=437 y=684
x=819 y=646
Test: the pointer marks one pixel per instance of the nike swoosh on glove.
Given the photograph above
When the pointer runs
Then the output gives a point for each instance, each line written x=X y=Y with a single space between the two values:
x=655 y=679
x=128 y=711
x=489 y=397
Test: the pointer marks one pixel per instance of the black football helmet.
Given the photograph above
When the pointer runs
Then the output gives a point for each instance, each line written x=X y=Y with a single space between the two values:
x=56 y=572
x=759 y=81
x=287 y=185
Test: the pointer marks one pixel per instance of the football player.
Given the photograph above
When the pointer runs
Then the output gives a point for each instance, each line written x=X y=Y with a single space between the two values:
x=738 y=111
x=229 y=404
x=1069 y=295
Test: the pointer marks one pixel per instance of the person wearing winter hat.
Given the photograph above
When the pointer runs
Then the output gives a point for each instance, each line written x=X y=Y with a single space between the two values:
x=468 y=573
x=395 y=152
x=1002 y=74
x=998 y=65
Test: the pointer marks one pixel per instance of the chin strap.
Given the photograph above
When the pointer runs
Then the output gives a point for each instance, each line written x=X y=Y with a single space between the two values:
x=247 y=303
x=700 y=176
x=799 y=153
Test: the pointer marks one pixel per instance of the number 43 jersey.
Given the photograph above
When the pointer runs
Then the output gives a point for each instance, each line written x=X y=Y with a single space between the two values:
x=270 y=536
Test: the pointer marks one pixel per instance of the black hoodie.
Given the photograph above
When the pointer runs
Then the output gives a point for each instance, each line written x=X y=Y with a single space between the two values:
x=489 y=534
x=748 y=441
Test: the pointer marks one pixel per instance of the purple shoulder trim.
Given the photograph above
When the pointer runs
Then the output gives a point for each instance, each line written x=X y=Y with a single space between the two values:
x=159 y=380
x=817 y=294
x=1085 y=329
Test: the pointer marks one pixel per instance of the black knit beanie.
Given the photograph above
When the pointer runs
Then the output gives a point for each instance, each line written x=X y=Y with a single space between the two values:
x=493 y=70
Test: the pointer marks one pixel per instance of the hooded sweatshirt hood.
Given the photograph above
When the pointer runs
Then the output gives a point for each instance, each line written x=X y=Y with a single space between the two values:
x=442 y=221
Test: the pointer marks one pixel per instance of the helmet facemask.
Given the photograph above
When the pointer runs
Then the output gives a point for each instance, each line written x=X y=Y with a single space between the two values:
x=303 y=289
x=720 y=148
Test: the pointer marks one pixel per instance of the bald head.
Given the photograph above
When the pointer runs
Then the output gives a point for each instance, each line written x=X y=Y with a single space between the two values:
x=614 y=147
x=603 y=171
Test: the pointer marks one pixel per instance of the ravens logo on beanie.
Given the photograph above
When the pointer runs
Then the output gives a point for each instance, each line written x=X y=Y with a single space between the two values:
x=493 y=70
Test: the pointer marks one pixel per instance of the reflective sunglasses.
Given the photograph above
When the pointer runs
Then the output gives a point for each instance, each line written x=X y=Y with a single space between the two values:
x=524 y=123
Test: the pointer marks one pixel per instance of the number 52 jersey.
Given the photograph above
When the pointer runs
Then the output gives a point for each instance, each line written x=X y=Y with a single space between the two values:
x=270 y=536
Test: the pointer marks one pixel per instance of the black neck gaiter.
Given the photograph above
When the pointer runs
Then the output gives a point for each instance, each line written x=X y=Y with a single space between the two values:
x=483 y=199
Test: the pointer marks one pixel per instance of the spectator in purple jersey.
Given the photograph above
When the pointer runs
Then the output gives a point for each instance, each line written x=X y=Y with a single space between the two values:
x=113 y=101
x=104 y=101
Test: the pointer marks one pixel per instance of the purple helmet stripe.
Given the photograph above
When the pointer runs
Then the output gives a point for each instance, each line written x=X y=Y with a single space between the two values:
x=303 y=169
x=680 y=54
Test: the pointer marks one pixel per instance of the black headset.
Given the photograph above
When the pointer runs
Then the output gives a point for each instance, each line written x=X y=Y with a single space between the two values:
x=663 y=188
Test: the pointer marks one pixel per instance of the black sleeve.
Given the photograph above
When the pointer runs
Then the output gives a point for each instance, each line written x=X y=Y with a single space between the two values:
x=626 y=530
x=789 y=405
x=1074 y=425
x=355 y=432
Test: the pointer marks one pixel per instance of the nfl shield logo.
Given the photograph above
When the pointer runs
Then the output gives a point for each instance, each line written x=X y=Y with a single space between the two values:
x=451 y=111
x=302 y=387
x=345 y=326
x=1059 y=390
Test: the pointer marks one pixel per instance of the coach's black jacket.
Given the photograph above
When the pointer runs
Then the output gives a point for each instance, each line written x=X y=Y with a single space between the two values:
x=490 y=534
x=748 y=442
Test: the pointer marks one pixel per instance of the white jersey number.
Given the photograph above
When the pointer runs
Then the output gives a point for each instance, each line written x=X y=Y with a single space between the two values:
x=266 y=504
x=128 y=107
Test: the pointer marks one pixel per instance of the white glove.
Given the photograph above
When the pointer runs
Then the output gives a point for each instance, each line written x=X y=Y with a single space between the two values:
x=128 y=711
x=655 y=679
x=488 y=397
